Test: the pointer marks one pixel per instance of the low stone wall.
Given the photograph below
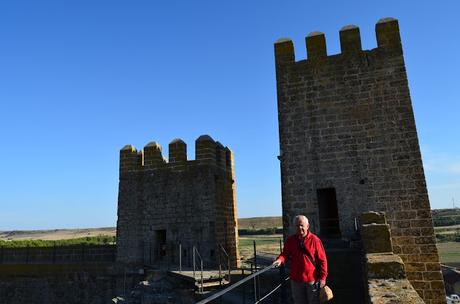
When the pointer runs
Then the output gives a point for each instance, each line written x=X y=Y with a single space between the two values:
x=70 y=288
x=58 y=254
x=72 y=283
x=385 y=271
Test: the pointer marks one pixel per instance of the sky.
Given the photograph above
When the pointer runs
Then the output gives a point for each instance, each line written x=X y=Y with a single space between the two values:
x=81 y=79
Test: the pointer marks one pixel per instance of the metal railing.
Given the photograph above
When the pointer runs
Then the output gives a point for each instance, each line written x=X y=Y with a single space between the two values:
x=256 y=293
x=180 y=257
x=222 y=251
x=195 y=255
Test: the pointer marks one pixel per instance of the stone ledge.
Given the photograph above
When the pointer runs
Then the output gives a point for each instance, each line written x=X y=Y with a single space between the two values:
x=385 y=266
x=376 y=238
x=392 y=291
x=372 y=217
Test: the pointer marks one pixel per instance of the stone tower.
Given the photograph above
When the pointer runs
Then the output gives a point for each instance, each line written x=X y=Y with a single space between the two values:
x=348 y=144
x=189 y=202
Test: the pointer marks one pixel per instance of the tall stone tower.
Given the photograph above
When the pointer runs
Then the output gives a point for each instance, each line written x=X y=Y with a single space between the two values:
x=189 y=202
x=348 y=144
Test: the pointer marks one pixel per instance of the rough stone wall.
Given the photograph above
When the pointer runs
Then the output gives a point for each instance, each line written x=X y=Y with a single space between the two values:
x=58 y=254
x=58 y=283
x=346 y=122
x=192 y=202
x=385 y=271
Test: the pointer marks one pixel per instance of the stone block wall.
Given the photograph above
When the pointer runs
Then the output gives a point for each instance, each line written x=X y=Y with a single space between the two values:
x=346 y=123
x=180 y=201
x=60 y=283
x=58 y=254
x=385 y=271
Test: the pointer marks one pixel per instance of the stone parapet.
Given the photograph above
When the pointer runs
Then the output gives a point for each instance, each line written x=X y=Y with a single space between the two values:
x=391 y=291
x=384 y=266
x=376 y=238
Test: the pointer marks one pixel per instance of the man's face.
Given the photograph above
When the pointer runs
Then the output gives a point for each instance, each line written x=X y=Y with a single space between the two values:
x=302 y=227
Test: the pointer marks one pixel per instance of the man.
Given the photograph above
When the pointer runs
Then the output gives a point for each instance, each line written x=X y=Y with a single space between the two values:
x=308 y=263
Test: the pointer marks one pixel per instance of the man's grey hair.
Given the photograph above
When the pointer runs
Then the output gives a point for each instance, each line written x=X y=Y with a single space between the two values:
x=300 y=217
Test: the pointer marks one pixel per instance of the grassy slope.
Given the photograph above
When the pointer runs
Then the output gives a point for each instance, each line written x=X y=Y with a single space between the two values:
x=449 y=253
x=260 y=222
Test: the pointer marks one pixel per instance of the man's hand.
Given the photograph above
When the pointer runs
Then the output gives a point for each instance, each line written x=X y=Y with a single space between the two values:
x=277 y=263
x=322 y=283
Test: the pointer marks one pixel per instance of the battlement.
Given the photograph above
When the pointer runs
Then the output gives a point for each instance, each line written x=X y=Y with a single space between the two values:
x=207 y=152
x=386 y=30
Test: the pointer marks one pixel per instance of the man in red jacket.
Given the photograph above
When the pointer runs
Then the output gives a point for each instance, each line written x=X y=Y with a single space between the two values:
x=308 y=263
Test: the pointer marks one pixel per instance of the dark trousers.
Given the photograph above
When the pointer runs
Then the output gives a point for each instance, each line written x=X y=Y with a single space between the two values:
x=305 y=293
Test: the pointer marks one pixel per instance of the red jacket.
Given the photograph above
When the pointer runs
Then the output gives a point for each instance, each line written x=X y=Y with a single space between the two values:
x=302 y=269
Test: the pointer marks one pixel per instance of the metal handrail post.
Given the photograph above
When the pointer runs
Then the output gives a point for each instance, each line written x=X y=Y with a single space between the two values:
x=193 y=261
x=255 y=255
x=180 y=257
x=124 y=282
x=283 y=289
x=255 y=267
x=201 y=275
x=228 y=261
x=169 y=252
x=255 y=288
x=150 y=253
x=220 y=268
x=244 y=294
x=229 y=271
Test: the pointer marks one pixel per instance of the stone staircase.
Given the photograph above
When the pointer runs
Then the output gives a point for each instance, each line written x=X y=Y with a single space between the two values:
x=211 y=280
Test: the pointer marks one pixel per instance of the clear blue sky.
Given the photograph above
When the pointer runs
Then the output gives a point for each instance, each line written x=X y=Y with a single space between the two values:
x=80 y=79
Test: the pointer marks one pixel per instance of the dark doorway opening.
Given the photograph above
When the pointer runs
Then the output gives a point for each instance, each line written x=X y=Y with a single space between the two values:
x=160 y=244
x=328 y=213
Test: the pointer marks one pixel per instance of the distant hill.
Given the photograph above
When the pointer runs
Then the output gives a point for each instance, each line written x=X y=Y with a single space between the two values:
x=253 y=223
x=446 y=217
x=260 y=222
x=441 y=217
x=56 y=234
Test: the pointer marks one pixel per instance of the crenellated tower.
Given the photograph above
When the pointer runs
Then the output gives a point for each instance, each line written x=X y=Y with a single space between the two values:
x=348 y=145
x=162 y=204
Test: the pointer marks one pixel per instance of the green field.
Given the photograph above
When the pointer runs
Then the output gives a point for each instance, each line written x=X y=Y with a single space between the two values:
x=449 y=253
x=90 y=240
x=264 y=244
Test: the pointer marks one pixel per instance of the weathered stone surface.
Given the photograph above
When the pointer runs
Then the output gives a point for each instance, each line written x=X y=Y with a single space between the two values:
x=392 y=292
x=376 y=238
x=384 y=266
x=80 y=287
x=372 y=217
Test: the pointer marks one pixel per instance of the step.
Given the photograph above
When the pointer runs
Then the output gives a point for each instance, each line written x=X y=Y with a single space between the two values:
x=211 y=284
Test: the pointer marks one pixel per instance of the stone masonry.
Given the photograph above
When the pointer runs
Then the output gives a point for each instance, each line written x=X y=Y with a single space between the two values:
x=189 y=202
x=348 y=144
